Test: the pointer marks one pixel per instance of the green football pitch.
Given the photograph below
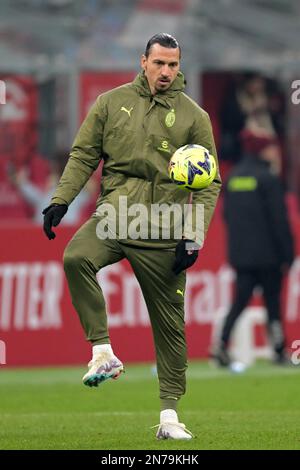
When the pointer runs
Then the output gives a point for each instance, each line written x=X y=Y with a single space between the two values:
x=51 y=409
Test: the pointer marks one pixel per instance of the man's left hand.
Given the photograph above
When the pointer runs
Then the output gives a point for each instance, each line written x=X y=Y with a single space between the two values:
x=186 y=254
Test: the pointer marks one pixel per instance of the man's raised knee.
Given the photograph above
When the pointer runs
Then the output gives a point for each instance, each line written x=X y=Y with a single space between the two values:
x=72 y=260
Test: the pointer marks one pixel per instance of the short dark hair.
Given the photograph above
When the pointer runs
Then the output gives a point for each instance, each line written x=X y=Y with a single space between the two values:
x=163 y=39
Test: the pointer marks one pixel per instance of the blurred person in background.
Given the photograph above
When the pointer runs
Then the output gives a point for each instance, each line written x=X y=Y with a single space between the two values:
x=260 y=241
x=135 y=129
x=253 y=101
x=13 y=206
x=38 y=195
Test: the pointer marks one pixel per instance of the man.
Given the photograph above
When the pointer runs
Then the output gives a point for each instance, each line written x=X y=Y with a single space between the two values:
x=259 y=236
x=135 y=129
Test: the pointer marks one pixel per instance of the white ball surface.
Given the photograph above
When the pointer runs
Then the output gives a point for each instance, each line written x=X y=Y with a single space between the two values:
x=237 y=367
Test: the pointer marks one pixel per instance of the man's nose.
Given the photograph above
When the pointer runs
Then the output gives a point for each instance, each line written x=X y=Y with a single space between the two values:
x=165 y=70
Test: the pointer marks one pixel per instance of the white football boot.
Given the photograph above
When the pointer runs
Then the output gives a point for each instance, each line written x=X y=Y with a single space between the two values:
x=103 y=366
x=170 y=428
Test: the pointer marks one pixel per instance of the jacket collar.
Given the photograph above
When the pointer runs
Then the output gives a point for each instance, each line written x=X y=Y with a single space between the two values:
x=141 y=84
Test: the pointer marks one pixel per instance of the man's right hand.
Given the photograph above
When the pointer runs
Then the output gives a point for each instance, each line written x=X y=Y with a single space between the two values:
x=52 y=217
x=186 y=254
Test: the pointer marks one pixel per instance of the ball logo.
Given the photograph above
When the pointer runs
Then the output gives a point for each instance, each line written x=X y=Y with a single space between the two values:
x=170 y=118
x=206 y=164
x=192 y=171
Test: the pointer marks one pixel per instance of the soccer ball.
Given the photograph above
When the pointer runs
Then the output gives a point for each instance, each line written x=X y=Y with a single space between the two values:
x=192 y=167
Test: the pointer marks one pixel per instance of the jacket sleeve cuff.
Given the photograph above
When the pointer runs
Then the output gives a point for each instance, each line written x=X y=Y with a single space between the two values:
x=58 y=200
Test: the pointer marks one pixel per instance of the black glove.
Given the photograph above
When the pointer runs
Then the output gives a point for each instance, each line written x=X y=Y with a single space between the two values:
x=186 y=254
x=52 y=217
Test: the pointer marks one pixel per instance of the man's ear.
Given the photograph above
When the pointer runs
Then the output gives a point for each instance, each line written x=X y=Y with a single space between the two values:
x=143 y=61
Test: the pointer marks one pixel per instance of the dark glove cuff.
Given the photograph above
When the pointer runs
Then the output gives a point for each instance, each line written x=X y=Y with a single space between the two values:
x=53 y=205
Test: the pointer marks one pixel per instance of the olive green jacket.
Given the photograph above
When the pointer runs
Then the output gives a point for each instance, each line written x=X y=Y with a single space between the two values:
x=135 y=134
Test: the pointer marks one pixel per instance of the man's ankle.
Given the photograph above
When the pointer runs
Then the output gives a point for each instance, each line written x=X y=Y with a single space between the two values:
x=100 y=348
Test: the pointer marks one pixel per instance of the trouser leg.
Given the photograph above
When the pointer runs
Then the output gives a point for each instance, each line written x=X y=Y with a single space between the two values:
x=163 y=293
x=271 y=281
x=245 y=283
x=84 y=256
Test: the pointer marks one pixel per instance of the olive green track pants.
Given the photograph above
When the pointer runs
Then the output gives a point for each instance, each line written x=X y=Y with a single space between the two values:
x=163 y=292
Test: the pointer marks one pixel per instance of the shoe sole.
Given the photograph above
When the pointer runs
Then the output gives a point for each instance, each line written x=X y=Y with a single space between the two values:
x=174 y=438
x=96 y=379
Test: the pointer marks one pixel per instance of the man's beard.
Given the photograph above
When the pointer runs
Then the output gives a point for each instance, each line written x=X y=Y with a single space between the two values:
x=160 y=87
